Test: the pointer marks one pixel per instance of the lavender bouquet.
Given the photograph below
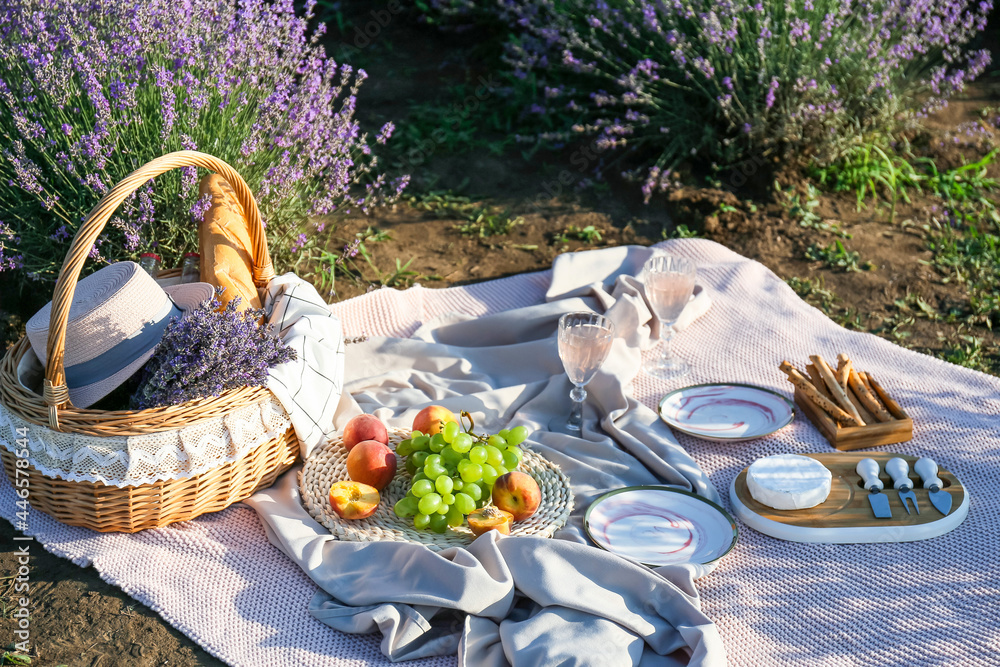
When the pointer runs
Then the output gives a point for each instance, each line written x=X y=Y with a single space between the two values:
x=207 y=352
x=92 y=89
x=735 y=80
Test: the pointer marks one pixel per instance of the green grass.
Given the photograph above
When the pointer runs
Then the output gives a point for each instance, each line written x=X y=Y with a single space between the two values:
x=970 y=351
x=401 y=277
x=836 y=256
x=442 y=202
x=10 y=657
x=464 y=117
x=485 y=222
x=354 y=263
x=477 y=219
x=588 y=234
x=970 y=256
x=871 y=170
x=915 y=304
x=681 y=231
x=963 y=235
x=813 y=290
x=803 y=213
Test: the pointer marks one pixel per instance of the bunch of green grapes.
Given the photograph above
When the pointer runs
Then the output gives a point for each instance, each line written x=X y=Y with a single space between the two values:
x=453 y=472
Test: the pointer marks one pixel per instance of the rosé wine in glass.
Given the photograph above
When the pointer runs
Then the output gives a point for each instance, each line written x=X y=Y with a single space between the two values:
x=669 y=285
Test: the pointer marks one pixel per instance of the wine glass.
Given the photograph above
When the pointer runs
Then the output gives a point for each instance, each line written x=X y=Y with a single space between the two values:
x=669 y=284
x=584 y=344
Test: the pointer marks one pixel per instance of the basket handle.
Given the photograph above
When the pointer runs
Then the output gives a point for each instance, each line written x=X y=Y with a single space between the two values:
x=56 y=394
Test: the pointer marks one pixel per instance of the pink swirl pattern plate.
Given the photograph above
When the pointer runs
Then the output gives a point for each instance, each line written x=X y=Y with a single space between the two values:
x=726 y=412
x=659 y=525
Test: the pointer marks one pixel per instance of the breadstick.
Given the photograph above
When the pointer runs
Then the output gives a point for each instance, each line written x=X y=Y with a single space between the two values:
x=806 y=387
x=844 y=367
x=868 y=386
x=865 y=380
x=835 y=389
x=817 y=380
x=861 y=391
x=890 y=404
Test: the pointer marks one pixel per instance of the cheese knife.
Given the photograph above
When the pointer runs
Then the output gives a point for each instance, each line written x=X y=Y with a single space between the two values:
x=927 y=469
x=899 y=470
x=868 y=470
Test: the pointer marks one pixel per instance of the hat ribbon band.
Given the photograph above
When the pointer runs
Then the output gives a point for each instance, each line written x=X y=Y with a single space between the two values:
x=124 y=353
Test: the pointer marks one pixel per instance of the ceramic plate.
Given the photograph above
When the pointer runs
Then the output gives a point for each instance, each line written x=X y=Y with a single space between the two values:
x=726 y=412
x=658 y=525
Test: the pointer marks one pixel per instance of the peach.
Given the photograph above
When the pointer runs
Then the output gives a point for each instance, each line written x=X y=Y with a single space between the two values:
x=432 y=419
x=489 y=518
x=364 y=427
x=353 y=500
x=371 y=463
x=518 y=493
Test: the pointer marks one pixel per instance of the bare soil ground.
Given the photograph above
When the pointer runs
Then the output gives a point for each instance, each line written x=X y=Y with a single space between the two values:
x=78 y=619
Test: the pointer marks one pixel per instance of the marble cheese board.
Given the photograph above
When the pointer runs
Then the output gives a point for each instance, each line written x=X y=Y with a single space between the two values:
x=846 y=516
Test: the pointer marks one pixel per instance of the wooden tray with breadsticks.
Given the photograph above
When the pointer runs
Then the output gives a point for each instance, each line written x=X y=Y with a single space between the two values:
x=848 y=406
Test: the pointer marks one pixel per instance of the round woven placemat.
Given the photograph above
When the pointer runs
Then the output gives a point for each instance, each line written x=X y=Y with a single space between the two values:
x=329 y=464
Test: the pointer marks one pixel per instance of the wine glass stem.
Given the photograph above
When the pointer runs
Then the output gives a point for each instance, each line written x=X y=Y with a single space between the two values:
x=667 y=340
x=575 y=421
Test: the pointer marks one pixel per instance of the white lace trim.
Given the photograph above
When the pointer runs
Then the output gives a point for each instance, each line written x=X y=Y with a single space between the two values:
x=144 y=459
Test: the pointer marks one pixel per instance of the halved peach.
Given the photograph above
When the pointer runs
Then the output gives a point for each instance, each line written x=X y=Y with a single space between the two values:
x=490 y=518
x=353 y=500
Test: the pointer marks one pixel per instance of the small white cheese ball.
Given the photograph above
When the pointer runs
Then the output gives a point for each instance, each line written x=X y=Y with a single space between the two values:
x=789 y=481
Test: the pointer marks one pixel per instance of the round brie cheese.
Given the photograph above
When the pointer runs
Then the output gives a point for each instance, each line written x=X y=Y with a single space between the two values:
x=788 y=481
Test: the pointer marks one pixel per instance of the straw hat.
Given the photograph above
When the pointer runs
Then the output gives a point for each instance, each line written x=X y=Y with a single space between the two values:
x=116 y=320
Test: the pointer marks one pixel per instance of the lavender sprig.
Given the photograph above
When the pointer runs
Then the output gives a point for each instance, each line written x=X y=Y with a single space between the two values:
x=207 y=352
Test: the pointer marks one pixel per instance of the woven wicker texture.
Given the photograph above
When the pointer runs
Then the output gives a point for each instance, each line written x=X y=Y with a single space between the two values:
x=152 y=457
x=129 y=509
x=329 y=465
x=53 y=419
x=99 y=217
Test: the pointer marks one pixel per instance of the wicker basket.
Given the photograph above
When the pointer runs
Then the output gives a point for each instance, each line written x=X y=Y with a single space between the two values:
x=132 y=508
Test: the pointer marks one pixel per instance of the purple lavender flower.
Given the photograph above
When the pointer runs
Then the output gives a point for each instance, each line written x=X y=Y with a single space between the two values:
x=89 y=91
x=844 y=70
x=208 y=351
x=771 y=90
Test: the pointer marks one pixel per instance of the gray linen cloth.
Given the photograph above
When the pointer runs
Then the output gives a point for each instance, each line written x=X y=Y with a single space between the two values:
x=517 y=600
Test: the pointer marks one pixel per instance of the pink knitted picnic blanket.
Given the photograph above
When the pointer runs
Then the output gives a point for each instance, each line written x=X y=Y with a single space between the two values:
x=932 y=602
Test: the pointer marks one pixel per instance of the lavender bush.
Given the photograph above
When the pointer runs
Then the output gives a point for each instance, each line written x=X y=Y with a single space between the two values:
x=207 y=352
x=733 y=79
x=92 y=89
